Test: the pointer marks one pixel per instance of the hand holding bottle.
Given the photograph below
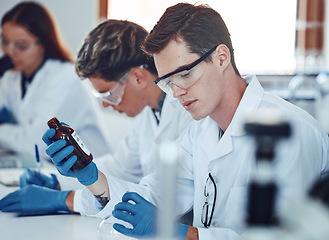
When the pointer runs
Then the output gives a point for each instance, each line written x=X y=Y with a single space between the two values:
x=59 y=151
x=64 y=131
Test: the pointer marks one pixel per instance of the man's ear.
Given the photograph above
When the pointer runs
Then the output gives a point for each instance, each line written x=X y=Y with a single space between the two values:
x=223 y=55
x=140 y=77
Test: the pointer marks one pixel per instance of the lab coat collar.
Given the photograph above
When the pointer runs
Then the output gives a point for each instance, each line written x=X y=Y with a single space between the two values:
x=169 y=107
x=47 y=66
x=38 y=80
x=249 y=104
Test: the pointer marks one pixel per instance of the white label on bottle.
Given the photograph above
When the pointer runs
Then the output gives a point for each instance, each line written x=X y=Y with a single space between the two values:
x=80 y=143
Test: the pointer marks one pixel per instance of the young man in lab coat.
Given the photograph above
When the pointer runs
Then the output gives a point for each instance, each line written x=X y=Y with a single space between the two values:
x=123 y=77
x=194 y=57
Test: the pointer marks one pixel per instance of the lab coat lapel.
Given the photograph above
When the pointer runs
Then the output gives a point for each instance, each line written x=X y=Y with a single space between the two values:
x=214 y=148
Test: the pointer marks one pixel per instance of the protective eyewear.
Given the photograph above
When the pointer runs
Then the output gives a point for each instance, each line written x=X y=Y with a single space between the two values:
x=185 y=76
x=208 y=208
x=19 y=46
x=114 y=96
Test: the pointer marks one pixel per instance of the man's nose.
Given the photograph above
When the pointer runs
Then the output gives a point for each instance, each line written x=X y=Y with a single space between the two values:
x=177 y=91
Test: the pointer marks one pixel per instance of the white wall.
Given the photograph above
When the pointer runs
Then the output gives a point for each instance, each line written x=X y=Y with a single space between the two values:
x=74 y=17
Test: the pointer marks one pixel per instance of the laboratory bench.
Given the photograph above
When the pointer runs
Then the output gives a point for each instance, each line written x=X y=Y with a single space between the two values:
x=50 y=227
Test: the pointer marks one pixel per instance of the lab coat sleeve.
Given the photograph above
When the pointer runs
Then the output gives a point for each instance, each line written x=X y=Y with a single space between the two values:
x=4 y=89
x=86 y=204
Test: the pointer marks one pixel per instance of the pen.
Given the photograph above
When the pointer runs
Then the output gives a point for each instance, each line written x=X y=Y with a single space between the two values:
x=38 y=160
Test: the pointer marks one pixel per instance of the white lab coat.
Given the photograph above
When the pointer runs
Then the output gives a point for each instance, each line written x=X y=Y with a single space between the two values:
x=55 y=91
x=136 y=155
x=300 y=160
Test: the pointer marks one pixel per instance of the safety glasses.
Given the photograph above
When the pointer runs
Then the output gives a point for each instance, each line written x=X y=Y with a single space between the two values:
x=185 y=76
x=19 y=46
x=114 y=95
x=208 y=207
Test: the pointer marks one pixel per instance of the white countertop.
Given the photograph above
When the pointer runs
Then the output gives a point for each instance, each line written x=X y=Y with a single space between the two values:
x=50 y=227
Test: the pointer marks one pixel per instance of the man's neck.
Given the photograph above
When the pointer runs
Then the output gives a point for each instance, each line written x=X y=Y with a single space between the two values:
x=225 y=112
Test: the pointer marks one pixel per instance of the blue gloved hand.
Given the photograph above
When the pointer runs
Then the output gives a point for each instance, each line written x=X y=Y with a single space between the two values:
x=141 y=215
x=6 y=116
x=181 y=231
x=58 y=152
x=35 y=199
x=31 y=176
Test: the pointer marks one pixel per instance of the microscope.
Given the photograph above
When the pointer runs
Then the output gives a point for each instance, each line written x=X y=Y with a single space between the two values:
x=305 y=218
x=5 y=64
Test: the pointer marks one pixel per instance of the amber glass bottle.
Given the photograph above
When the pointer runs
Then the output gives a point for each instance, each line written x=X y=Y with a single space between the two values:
x=67 y=133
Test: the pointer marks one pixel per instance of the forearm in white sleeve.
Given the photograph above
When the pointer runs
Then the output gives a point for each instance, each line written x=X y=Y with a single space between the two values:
x=86 y=204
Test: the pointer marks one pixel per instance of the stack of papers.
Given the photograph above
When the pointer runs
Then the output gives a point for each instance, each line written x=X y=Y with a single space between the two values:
x=10 y=176
x=12 y=165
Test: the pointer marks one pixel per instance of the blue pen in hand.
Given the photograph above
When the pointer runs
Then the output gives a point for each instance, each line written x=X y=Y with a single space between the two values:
x=37 y=156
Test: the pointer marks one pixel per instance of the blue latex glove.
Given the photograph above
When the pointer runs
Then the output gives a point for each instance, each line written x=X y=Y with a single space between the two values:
x=182 y=231
x=141 y=215
x=58 y=151
x=31 y=176
x=35 y=199
x=6 y=116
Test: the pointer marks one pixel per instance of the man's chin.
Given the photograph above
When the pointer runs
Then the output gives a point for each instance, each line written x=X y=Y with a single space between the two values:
x=195 y=116
x=131 y=115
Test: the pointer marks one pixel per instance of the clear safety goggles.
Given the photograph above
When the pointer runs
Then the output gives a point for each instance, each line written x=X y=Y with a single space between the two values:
x=113 y=96
x=19 y=46
x=183 y=77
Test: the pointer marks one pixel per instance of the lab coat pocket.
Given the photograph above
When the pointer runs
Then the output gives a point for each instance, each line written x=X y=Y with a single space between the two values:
x=235 y=211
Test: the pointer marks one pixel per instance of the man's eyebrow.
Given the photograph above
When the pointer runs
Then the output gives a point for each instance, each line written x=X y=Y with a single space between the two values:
x=177 y=70
x=183 y=67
